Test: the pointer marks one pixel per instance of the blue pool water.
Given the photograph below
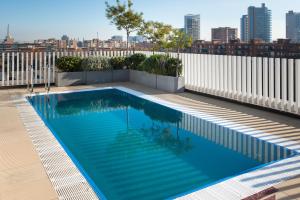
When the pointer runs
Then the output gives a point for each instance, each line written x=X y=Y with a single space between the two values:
x=132 y=148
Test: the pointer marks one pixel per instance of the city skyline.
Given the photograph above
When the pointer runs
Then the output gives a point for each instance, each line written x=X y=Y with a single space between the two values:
x=83 y=19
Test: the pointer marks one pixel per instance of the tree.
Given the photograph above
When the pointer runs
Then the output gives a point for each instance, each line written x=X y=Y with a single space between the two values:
x=155 y=33
x=178 y=40
x=124 y=18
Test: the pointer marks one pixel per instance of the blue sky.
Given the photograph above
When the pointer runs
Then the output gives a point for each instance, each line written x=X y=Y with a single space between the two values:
x=41 y=19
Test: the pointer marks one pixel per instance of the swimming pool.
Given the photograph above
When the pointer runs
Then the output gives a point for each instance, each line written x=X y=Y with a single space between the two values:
x=132 y=148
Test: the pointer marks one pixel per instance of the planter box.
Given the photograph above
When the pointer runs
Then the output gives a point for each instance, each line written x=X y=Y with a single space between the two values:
x=165 y=83
x=69 y=78
x=94 y=77
x=121 y=75
x=170 y=84
x=143 y=78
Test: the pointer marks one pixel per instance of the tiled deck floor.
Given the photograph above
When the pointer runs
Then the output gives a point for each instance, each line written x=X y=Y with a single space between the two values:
x=23 y=177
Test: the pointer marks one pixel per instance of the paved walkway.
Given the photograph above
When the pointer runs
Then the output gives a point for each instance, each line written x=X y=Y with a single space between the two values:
x=22 y=176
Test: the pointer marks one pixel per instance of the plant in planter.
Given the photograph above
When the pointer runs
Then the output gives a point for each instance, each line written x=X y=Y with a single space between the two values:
x=95 y=64
x=117 y=63
x=135 y=60
x=69 y=64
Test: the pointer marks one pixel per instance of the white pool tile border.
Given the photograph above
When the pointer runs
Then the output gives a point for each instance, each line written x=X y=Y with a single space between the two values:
x=66 y=179
x=240 y=186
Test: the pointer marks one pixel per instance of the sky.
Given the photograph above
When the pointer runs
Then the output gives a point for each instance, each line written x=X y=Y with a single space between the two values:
x=42 y=19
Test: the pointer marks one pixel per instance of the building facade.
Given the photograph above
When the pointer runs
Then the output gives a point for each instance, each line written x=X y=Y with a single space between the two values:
x=256 y=48
x=192 y=26
x=259 y=23
x=244 y=28
x=293 y=26
x=223 y=34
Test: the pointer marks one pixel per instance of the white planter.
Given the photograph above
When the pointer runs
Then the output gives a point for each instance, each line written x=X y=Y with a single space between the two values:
x=69 y=78
x=164 y=83
x=121 y=75
x=170 y=84
x=143 y=78
x=94 y=77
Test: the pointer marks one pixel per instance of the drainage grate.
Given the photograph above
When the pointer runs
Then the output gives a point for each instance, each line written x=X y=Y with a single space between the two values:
x=66 y=179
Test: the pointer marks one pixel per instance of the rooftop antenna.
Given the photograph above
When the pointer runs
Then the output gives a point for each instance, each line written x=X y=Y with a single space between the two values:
x=97 y=36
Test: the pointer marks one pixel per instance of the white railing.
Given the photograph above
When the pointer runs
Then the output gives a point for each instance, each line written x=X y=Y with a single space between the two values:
x=15 y=66
x=267 y=82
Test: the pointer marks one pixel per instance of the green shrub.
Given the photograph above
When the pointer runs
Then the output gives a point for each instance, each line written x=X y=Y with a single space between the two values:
x=135 y=60
x=171 y=65
x=69 y=64
x=117 y=62
x=162 y=64
x=95 y=64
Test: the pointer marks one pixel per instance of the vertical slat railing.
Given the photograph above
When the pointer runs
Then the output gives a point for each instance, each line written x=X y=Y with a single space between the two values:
x=35 y=67
x=18 y=68
x=234 y=77
x=53 y=67
x=265 y=81
x=229 y=80
x=13 y=68
x=271 y=82
x=244 y=78
x=283 y=83
x=277 y=83
x=3 y=70
x=254 y=80
x=249 y=79
x=297 y=76
x=259 y=81
x=290 y=84
x=7 y=70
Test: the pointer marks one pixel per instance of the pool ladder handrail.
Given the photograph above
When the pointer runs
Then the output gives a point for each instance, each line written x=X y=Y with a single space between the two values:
x=30 y=84
x=47 y=78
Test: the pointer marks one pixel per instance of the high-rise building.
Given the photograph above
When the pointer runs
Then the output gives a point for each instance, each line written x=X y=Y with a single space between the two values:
x=259 y=23
x=192 y=26
x=244 y=29
x=223 y=34
x=293 y=26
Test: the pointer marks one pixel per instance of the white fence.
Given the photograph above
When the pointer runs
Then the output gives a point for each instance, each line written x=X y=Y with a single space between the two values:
x=268 y=82
x=19 y=68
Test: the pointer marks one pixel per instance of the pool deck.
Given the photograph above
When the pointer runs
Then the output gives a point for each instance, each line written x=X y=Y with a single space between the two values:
x=22 y=175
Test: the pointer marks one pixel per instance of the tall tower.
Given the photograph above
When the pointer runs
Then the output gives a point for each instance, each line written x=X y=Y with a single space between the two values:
x=293 y=26
x=259 y=23
x=192 y=26
x=8 y=39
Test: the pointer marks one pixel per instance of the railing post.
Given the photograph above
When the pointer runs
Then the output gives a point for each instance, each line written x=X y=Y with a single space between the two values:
x=53 y=66
x=3 y=71
x=265 y=81
x=297 y=66
x=283 y=83
x=277 y=83
x=225 y=76
x=7 y=71
x=221 y=82
x=229 y=80
x=13 y=68
x=291 y=84
x=234 y=78
x=35 y=67
x=271 y=82
x=249 y=79
x=18 y=66
x=239 y=77
x=244 y=78
x=254 y=80
x=259 y=80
